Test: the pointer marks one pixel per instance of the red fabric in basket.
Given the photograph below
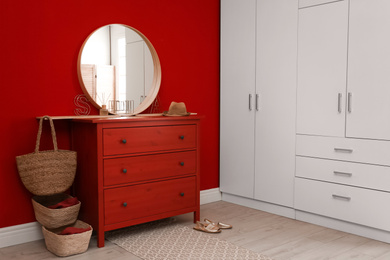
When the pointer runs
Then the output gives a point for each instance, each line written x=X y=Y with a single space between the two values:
x=74 y=230
x=65 y=203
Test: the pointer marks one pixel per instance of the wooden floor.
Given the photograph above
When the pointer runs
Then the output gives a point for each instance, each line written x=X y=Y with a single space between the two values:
x=275 y=236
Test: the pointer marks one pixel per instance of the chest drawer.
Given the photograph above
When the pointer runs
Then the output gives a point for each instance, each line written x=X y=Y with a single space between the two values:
x=147 y=139
x=138 y=201
x=352 y=204
x=354 y=174
x=344 y=149
x=148 y=167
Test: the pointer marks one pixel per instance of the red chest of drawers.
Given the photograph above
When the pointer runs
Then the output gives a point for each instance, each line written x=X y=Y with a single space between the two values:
x=136 y=170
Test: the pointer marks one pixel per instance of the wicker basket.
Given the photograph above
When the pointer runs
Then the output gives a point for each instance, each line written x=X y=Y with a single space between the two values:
x=66 y=245
x=47 y=172
x=54 y=218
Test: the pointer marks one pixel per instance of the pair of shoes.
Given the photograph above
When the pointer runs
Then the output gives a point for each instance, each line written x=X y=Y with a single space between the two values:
x=219 y=224
x=208 y=227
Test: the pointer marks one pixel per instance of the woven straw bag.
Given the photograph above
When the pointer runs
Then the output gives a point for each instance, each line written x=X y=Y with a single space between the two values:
x=47 y=172
x=54 y=218
x=66 y=245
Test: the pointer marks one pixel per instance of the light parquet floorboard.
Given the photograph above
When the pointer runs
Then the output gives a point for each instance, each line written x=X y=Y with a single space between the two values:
x=275 y=236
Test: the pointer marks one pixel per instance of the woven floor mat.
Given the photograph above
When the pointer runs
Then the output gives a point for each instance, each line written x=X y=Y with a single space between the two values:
x=165 y=239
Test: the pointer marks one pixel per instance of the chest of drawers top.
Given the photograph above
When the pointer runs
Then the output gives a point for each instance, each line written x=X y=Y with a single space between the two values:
x=139 y=119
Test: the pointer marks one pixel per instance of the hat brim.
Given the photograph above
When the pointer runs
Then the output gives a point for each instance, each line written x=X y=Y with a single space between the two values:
x=166 y=113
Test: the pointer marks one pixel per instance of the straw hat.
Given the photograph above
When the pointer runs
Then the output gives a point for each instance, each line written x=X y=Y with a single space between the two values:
x=176 y=109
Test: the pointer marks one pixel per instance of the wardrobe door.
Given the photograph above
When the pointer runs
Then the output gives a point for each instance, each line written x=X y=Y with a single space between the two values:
x=238 y=21
x=322 y=66
x=277 y=22
x=369 y=70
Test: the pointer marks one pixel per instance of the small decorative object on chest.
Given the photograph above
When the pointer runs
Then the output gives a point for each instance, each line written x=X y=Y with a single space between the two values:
x=104 y=111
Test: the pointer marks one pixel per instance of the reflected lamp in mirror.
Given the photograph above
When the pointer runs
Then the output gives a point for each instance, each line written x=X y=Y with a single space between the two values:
x=118 y=67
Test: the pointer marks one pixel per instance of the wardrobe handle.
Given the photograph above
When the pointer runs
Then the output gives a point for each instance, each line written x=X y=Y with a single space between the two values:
x=349 y=102
x=339 y=103
x=250 y=102
x=343 y=150
x=347 y=174
x=341 y=197
x=257 y=102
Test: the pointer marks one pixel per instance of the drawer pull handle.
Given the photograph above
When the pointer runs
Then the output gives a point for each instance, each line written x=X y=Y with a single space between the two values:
x=343 y=150
x=182 y=194
x=341 y=197
x=182 y=137
x=124 y=204
x=347 y=174
x=124 y=170
x=182 y=163
x=124 y=141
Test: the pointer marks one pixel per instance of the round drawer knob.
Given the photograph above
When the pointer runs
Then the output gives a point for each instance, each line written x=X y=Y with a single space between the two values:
x=124 y=170
x=124 y=141
x=182 y=163
x=124 y=204
x=182 y=194
x=182 y=137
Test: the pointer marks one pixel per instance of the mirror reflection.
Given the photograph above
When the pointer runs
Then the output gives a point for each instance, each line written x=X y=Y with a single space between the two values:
x=118 y=69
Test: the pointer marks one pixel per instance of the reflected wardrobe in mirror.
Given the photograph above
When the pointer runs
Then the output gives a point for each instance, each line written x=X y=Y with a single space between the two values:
x=119 y=68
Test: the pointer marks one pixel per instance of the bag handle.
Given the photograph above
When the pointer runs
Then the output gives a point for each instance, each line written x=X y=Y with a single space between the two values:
x=53 y=133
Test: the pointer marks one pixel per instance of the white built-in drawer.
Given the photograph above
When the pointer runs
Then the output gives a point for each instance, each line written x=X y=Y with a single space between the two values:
x=349 y=173
x=352 y=204
x=344 y=149
x=307 y=3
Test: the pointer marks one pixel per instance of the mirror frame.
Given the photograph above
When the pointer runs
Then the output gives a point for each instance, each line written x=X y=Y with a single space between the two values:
x=152 y=94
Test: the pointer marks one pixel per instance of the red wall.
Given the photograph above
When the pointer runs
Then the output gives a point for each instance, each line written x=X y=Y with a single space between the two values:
x=39 y=44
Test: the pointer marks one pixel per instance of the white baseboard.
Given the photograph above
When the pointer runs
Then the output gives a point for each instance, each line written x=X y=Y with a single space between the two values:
x=20 y=234
x=380 y=235
x=347 y=227
x=260 y=205
x=211 y=195
x=24 y=233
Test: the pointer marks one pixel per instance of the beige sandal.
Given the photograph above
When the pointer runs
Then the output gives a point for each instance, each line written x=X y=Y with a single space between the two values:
x=219 y=224
x=208 y=228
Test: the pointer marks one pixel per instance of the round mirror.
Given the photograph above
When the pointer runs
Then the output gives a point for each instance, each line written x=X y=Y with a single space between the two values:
x=119 y=68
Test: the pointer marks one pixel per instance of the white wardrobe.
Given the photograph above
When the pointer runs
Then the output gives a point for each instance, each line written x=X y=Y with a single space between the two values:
x=343 y=116
x=258 y=102
x=305 y=110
